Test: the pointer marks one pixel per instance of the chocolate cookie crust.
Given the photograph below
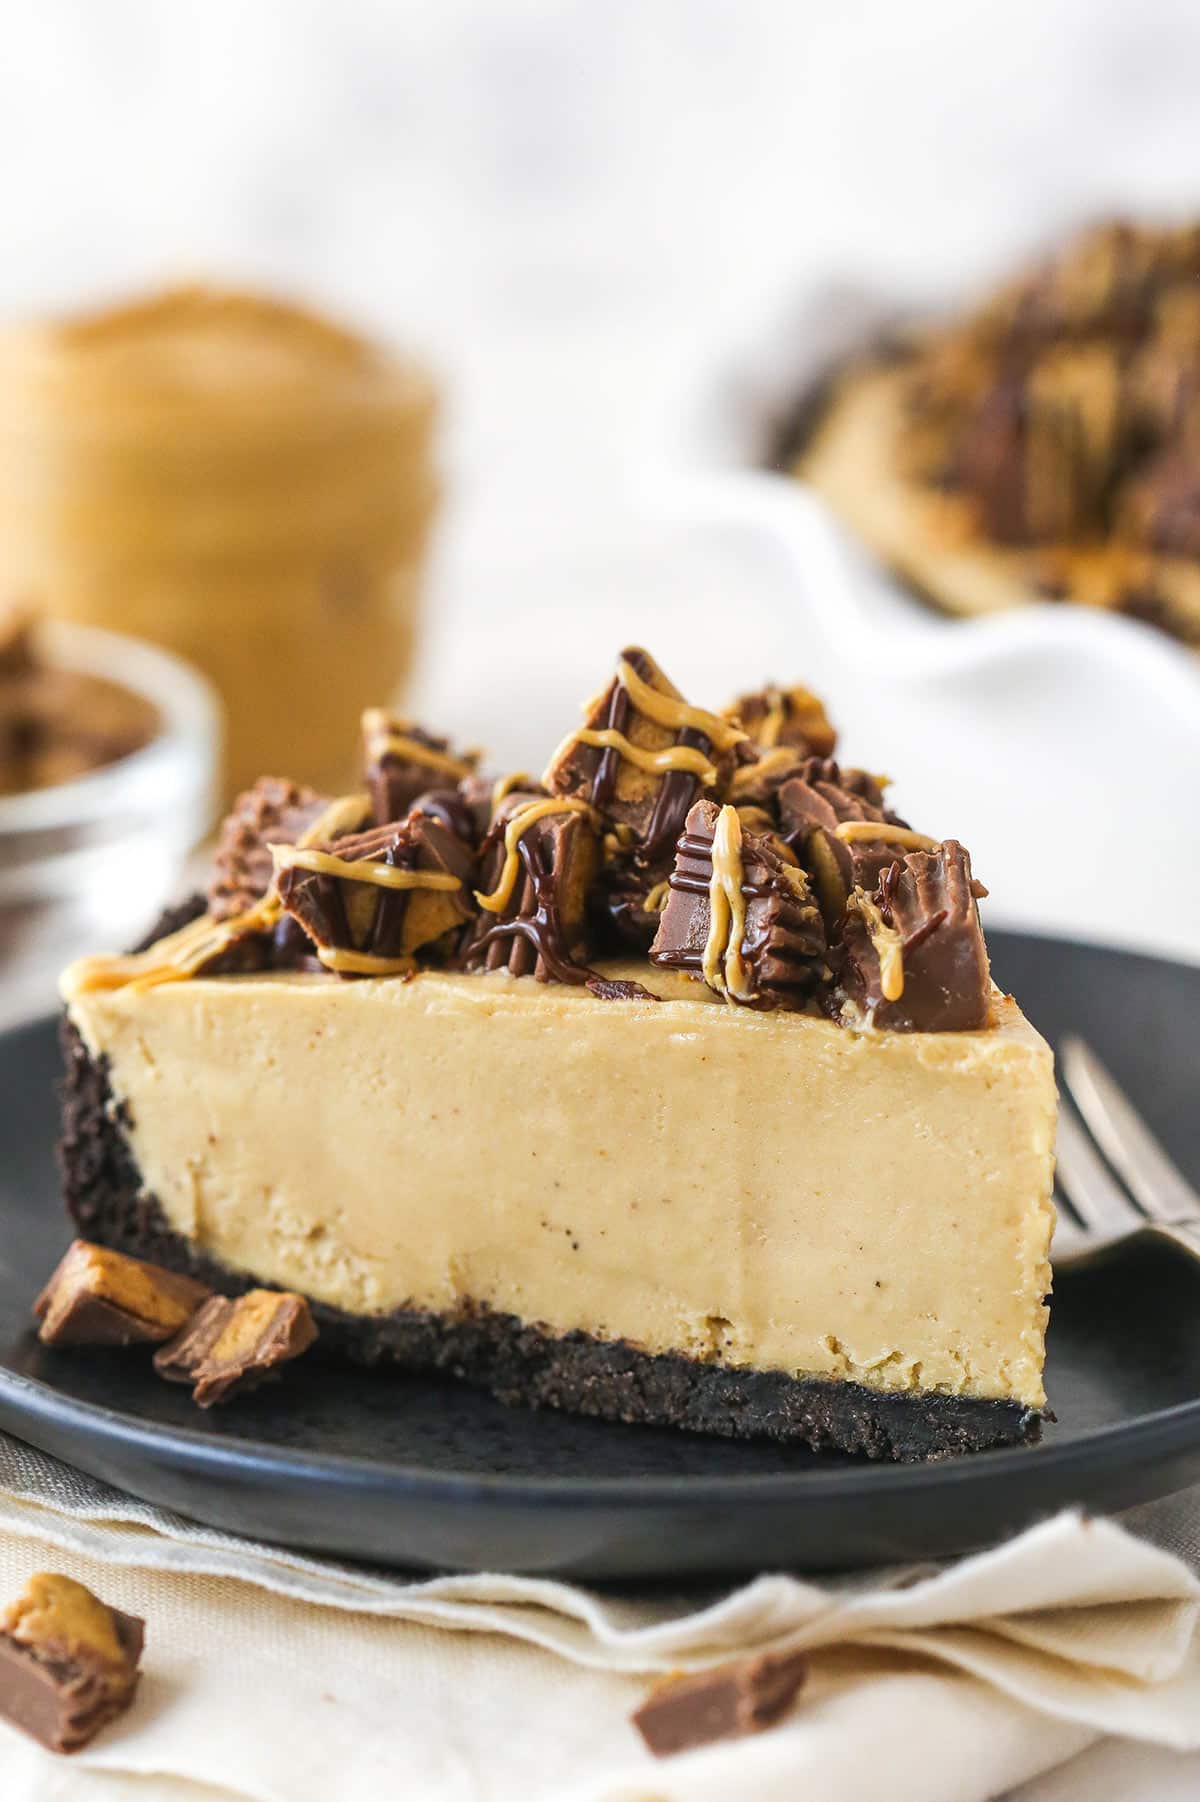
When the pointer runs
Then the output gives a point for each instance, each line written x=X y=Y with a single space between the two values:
x=520 y=1362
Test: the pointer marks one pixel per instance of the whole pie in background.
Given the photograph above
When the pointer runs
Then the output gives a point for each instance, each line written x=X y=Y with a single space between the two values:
x=1044 y=446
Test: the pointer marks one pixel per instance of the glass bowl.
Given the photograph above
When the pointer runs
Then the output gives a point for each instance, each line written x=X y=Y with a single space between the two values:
x=88 y=864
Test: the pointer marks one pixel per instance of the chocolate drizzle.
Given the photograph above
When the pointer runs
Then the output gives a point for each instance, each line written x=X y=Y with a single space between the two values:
x=542 y=928
x=616 y=715
x=675 y=796
x=532 y=941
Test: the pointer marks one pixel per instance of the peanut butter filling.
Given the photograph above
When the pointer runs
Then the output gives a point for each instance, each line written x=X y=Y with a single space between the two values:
x=870 y=1206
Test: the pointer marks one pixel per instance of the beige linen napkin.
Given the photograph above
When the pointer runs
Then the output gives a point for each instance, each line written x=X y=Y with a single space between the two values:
x=278 y=1677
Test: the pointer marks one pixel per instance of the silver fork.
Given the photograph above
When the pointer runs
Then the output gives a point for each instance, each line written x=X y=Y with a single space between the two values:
x=1154 y=1197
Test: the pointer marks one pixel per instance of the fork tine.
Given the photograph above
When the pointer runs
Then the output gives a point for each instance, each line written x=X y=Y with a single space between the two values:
x=1098 y=1199
x=1125 y=1139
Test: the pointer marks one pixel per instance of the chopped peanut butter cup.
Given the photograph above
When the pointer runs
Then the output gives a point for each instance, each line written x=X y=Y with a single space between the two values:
x=913 y=957
x=274 y=811
x=538 y=863
x=789 y=718
x=824 y=813
x=643 y=755
x=402 y=760
x=726 y=1703
x=68 y=1662
x=740 y=916
x=230 y=1346
x=101 y=1297
x=370 y=902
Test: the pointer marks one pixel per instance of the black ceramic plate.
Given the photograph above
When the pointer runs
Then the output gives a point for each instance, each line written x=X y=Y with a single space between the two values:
x=411 y=1471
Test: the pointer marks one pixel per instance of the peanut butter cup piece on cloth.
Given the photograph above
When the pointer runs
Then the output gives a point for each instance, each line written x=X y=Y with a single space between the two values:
x=68 y=1662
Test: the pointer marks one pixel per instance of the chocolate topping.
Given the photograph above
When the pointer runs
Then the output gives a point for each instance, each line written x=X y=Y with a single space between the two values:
x=605 y=990
x=649 y=804
x=618 y=849
x=1158 y=602
x=403 y=761
x=726 y=1703
x=912 y=955
x=274 y=811
x=451 y=808
x=781 y=945
x=810 y=806
x=1161 y=506
x=627 y=900
x=68 y=1662
x=1107 y=281
x=478 y=795
x=101 y=1297
x=229 y=1346
x=540 y=927
x=367 y=924
x=1067 y=414
x=791 y=717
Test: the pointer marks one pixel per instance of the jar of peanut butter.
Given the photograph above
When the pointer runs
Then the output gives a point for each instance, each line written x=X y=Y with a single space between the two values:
x=239 y=480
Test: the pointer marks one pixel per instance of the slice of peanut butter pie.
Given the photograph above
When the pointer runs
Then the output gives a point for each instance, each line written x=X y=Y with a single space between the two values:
x=670 y=1088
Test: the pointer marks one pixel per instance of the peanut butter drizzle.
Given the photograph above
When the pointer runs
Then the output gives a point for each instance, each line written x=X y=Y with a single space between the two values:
x=668 y=710
x=172 y=959
x=383 y=875
x=772 y=723
x=382 y=739
x=889 y=947
x=343 y=815
x=181 y=953
x=723 y=966
x=616 y=840
x=363 y=963
x=671 y=757
x=657 y=897
x=851 y=830
x=526 y=816
x=504 y=785
x=780 y=757
x=830 y=885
